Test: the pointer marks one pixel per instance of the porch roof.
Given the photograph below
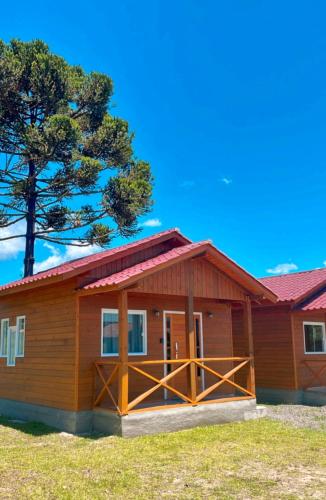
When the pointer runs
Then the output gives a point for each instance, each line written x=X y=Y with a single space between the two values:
x=132 y=274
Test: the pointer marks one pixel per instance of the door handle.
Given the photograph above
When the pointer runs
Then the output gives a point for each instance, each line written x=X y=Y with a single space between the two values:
x=176 y=350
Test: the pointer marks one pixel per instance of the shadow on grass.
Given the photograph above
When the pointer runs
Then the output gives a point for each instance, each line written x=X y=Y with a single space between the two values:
x=39 y=429
x=32 y=428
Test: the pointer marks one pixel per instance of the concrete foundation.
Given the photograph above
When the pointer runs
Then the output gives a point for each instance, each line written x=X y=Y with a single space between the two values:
x=135 y=424
x=314 y=396
x=279 y=396
x=173 y=419
x=69 y=421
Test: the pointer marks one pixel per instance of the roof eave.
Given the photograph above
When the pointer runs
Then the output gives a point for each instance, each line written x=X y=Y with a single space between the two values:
x=247 y=281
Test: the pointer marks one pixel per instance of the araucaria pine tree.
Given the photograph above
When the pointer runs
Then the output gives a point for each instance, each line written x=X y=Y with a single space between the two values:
x=67 y=165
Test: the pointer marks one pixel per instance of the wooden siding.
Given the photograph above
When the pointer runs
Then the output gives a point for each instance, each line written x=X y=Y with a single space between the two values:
x=315 y=362
x=208 y=282
x=45 y=375
x=273 y=348
x=217 y=336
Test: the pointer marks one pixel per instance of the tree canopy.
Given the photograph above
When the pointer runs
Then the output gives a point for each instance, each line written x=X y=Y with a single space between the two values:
x=67 y=165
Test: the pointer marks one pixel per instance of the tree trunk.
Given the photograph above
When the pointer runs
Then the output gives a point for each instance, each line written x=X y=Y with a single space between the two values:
x=30 y=223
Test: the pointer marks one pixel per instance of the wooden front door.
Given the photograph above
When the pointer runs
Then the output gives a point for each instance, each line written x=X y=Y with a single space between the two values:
x=176 y=347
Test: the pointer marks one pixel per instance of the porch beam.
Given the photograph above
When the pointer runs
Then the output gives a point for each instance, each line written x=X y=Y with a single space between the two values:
x=123 y=351
x=247 y=319
x=190 y=333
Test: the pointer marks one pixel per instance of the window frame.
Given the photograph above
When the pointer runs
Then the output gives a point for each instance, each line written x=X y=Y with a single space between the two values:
x=15 y=347
x=17 y=336
x=140 y=312
x=3 y=321
x=315 y=323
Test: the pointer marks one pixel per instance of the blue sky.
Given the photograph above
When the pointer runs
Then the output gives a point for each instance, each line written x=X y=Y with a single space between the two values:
x=228 y=102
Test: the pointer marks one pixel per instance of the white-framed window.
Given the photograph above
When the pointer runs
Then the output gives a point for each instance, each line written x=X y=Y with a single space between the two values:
x=4 y=334
x=137 y=332
x=11 y=356
x=314 y=337
x=20 y=341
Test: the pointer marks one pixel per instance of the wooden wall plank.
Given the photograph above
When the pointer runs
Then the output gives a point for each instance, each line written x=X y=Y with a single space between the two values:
x=46 y=374
x=274 y=364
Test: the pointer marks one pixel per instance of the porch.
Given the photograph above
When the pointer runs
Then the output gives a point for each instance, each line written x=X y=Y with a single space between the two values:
x=127 y=386
x=166 y=342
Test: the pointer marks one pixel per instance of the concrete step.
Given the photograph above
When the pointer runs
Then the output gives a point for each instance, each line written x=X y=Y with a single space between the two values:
x=258 y=412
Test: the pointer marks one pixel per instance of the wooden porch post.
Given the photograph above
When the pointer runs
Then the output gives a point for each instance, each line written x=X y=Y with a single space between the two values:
x=190 y=333
x=123 y=351
x=247 y=318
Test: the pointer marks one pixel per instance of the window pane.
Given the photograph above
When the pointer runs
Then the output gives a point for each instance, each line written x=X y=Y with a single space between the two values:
x=135 y=333
x=314 y=338
x=20 y=343
x=20 y=336
x=11 y=346
x=21 y=324
x=136 y=325
x=4 y=338
x=110 y=333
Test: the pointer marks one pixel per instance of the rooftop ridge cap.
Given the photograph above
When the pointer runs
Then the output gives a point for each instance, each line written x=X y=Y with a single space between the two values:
x=293 y=274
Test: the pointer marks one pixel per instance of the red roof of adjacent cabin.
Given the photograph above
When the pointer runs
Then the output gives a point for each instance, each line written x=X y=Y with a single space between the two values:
x=318 y=302
x=295 y=286
x=79 y=264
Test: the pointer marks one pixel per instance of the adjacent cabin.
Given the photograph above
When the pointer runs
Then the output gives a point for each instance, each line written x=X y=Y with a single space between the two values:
x=132 y=340
x=289 y=339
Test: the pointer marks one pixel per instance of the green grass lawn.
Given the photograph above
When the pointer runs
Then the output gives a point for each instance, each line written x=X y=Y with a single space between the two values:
x=255 y=459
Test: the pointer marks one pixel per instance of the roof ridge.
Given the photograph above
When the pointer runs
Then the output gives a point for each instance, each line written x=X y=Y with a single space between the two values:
x=116 y=249
x=284 y=275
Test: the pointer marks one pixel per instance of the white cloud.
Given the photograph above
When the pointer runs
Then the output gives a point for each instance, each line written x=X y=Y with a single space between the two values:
x=282 y=268
x=226 y=180
x=57 y=257
x=187 y=184
x=9 y=249
x=152 y=223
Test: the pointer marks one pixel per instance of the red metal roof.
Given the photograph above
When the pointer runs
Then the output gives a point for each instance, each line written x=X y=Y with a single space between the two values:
x=318 y=302
x=170 y=256
x=79 y=264
x=294 y=286
x=137 y=269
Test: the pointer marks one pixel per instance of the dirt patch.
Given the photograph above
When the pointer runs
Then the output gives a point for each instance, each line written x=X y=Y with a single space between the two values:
x=311 y=417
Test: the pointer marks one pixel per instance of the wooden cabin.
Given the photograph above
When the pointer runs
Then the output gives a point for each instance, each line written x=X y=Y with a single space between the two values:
x=132 y=340
x=289 y=339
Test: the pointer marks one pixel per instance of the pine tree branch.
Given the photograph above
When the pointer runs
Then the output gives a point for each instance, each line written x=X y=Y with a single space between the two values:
x=13 y=237
x=11 y=222
x=11 y=207
x=71 y=228
x=65 y=241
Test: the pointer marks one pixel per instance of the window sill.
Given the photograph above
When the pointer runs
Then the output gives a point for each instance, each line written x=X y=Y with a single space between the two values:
x=129 y=354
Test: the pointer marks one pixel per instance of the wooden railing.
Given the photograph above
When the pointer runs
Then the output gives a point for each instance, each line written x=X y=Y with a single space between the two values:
x=107 y=373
